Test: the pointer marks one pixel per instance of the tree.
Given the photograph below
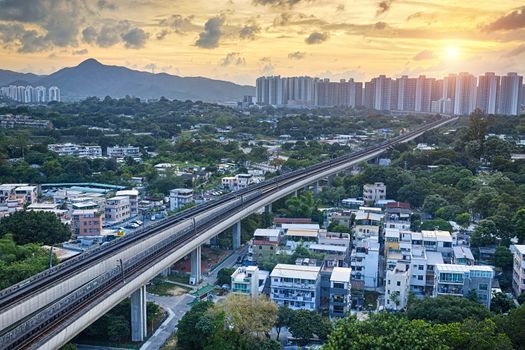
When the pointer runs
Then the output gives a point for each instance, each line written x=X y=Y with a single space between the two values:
x=518 y=220
x=484 y=234
x=503 y=258
x=446 y=309
x=303 y=206
x=384 y=331
x=306 y=324
x=463 y=219
x=394 y=297
x=284 y=316
x=501 y=304
x=224 y=276
x=473 y=335
x=187 y=338
x=513 y=325
x=34 y=227
x=118 y=328
x=249 y=316
x=432 y=203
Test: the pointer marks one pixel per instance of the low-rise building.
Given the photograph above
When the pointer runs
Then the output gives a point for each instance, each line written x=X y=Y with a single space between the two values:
x=179 y=197
x=133 y=196
x=265 y=244
x=340 y=292
x=462 y=256
x=397 y=287
x=75 y=150
x=245 y=280
x=374 y=192
x=87 y=222
x=518 y=270
x=461 y=280
x=238 y=182
x=123 y=151
x=117 y=210
x=367 y=224
x=438 y=241
x=26 y=194
x=296 y=286
x=364 y=261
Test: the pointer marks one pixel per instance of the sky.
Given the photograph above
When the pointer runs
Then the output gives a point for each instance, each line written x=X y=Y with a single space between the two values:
x=239 y=40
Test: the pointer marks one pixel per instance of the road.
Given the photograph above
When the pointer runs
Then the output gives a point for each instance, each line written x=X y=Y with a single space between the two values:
x=211 y=277
x=176 y=306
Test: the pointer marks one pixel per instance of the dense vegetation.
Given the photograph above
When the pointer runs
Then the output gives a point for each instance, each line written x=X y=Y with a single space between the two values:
x=34 y=227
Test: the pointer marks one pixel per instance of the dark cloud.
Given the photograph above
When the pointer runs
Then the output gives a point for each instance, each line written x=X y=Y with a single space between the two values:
x=80 y=52
x=317 y=38
x=233 y=59
x=297 y=55
x=383 y=7
x=512 y=20
x=209 y=38
x=380 y=25
x=340 y=8
x=27 y=11
x=297 y=19
x=106 y=5
x=515 y=51
x=278 y=3
x=135 y=39
x=249 y=31
x=180 y=24
x=15 y=35
x=424 y=55
x=113 y=33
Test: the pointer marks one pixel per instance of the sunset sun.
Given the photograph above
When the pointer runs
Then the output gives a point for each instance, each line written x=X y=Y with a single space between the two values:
x=452 y=52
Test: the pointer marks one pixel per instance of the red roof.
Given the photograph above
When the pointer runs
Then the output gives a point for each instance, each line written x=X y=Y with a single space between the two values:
x=292 y=221
x=401 y=205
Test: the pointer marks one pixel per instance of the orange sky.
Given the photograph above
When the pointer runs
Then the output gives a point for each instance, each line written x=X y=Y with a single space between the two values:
x=239 y=40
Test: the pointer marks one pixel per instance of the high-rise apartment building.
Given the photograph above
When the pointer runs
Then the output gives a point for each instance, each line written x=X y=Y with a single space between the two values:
x=465 y=94
x=487 y=96
x=509 y=94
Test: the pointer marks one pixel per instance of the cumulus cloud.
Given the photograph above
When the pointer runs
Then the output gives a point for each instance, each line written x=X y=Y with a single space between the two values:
x=424 y=55
x=249 y=31
x=80 y=52
x=113 y=33
x=278 y=3
x=180 y=24
x=383 y=7
x=233 y=59
x=512 y=20
x=317 y=38
x=297 y=55
x=135 y=38
x=209 y=38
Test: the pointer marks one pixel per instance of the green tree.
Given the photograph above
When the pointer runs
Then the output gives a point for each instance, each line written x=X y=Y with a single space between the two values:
x=463 y=219
x=484 y=234
x=501 y=304
x=432 y=203
x=224 y=276
x=34 y=227
x=306 y=324
x=118 y=328
x=446 y=309
x=503 y=258
x=513 y=325
x=302 y=206
x=284 y=317
x=473 y=335
x=187 y=338
x=384 y=331
x=518 y=220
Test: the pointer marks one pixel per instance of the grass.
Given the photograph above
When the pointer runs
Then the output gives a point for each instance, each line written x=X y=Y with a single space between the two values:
x=164 y=288
x=179 y=277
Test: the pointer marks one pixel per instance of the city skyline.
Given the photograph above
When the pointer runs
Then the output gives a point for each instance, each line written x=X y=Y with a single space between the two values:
x=242 y=39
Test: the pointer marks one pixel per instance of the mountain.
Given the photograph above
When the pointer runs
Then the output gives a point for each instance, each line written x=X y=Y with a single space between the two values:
x=92 y=78
x=8 y=77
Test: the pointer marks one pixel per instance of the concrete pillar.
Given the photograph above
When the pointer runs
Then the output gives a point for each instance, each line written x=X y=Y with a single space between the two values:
x=331 y=179
x=139 y=323
x=316 y=188
x=295 y=193
x=268 y=208
x=236 y=235
x=196 y=273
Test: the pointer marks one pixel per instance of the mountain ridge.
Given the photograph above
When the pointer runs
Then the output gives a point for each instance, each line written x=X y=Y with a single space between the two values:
x=93 y=78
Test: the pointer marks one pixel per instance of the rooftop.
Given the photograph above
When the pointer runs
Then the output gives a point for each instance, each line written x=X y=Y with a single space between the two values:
x=296 y=271
x=462 y=268
x=463 y=253
x=300 y=226
x=341 y=274
x=127 y=193
x=520 y=248
x=267 y=232
x=328 y=247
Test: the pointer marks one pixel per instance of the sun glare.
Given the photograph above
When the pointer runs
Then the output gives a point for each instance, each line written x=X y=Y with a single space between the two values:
x=452 y=52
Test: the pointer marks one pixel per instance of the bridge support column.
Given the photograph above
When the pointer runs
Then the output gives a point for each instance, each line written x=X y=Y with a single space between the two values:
x=139 y=323
x=295 y=193
x=268 y=208
x=316 y=188
x=236 y=235
x=331 y=179
x=196 y=273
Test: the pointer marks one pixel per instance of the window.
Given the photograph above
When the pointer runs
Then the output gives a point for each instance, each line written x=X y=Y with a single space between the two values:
x=483 y=286
x=398 y=283
x=421 y=267
x=420 y=278
x=388 y=281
